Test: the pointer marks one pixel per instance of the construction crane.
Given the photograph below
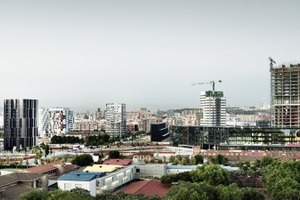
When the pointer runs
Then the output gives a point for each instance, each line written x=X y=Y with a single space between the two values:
x=272 y=62
x=208 y=82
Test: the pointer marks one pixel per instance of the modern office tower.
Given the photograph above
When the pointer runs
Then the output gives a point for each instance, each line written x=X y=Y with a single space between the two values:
x=60 y=121
x=285 y=95
x=115 y=116
x=20 y=123
x=213 y=104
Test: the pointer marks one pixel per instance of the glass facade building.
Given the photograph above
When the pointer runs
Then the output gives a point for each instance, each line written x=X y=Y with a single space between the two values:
x=207 y=137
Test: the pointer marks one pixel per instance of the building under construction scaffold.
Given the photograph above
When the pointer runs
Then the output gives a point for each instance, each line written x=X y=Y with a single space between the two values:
x=213 y=104
x=285 y=95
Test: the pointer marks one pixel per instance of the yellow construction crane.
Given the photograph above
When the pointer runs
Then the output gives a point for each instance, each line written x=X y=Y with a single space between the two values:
x=208 y=82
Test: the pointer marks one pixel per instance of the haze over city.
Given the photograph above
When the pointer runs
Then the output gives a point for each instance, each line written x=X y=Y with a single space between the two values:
x=83 y=54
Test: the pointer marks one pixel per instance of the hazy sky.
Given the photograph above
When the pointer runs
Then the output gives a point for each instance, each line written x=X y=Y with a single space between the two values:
x=145 y=53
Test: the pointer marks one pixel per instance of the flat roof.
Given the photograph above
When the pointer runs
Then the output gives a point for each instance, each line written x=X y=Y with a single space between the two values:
x=79 y=176
x=92 y=173
x=102 y=168
x=192 y=167
x=123 y=162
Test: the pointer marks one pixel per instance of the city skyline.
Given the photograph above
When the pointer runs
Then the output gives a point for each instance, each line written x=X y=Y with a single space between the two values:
x=83 y=55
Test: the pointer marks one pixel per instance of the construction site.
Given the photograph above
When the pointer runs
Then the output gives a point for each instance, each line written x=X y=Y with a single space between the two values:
x=285 y=95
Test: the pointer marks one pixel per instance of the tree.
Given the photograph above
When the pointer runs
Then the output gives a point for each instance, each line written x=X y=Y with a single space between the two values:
x=267 y=160
x=198 y=159
x=38 y=152
x=114 y=154
x=58 y=194
x=203 y=190
x=252 y=194
x=212 y=174
x=219 y=159
x=108 y=195
x=81 y=193
x=185 y=160
x=33 y=195
x=42 y=145
x=281 y=178
x=100 y=156
x=83 y=160
x=63 y=139
x=170 y=178
x=231 y=192
x=46 y=150
x=187 y=190
x=167 y=179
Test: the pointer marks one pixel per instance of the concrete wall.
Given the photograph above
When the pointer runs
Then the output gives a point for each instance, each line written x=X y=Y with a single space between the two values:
x=154 y=170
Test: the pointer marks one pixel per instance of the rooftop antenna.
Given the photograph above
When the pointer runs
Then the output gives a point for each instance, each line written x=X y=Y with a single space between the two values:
x=272 y=62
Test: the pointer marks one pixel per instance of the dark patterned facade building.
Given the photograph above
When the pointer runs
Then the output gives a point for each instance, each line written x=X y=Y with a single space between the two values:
x=159 y=132
x=20 y=123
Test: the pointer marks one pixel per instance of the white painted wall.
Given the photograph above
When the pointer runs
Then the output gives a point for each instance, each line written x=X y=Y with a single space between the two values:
x=116 y=179
x=69 y=185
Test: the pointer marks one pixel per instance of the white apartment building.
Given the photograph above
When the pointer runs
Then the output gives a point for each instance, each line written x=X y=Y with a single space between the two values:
x=213 y=104
x=115 y=115
x=59 y=121
x=43 y=121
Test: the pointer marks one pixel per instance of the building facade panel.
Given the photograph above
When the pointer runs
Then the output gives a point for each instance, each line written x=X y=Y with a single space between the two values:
x=20 y=123
x=115 y=116
x=159 y=132
x=207 y=137
x=213 y=104
x=56 y=121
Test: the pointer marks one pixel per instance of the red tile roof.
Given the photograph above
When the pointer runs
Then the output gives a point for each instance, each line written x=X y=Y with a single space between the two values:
x=123 y=162
x=148 y=188
x=41 y=169
x=12 y=179
x=70 y=167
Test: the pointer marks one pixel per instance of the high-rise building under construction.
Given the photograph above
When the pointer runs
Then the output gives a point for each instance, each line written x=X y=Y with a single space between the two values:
x=213 y=104
x=285 y=95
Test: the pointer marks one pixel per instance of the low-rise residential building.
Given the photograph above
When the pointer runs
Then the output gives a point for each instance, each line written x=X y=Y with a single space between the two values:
x=14 y=184
x=97 y=182
x=118 y=178
x=93 y=178
x=83 y=180
x=52 y=169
